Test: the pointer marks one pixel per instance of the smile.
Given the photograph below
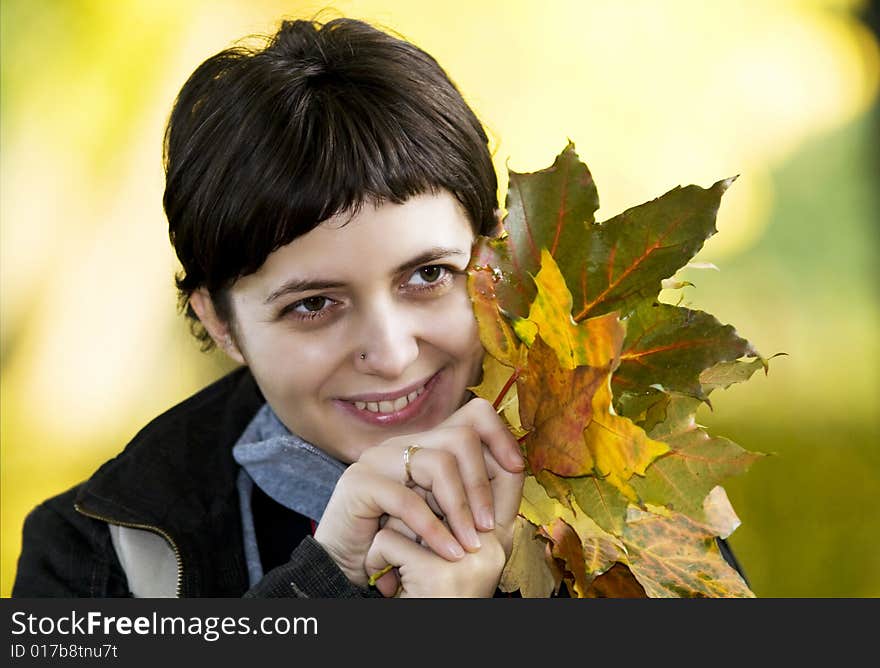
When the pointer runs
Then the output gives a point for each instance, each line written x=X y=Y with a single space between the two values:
x=389 y=406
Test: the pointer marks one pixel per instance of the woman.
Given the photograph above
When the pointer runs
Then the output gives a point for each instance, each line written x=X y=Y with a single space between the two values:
x=322 y=195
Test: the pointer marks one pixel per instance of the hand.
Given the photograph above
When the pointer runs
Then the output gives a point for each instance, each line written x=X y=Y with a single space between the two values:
x=450 y=468
x=419 y=572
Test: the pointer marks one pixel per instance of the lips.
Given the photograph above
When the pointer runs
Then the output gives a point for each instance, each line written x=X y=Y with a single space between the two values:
x=391 y=408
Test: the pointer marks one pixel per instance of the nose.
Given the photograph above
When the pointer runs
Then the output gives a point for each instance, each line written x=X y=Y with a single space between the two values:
x=388 y=342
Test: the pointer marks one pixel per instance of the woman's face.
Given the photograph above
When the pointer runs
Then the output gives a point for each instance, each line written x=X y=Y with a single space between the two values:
x=362 y=329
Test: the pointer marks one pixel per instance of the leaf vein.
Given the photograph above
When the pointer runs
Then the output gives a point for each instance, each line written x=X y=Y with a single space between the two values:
x=626 y=272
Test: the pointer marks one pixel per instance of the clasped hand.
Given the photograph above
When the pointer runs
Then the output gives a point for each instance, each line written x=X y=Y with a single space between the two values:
x=448 y=533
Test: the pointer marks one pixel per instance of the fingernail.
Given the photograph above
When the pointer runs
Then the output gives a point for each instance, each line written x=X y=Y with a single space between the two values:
x=455 y=550
x=486 y=518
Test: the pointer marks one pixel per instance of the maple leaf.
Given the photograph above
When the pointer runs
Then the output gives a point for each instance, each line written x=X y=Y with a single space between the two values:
x=615 y=447
x=646 y=409
x=545 y=210
x=668 y=347
x=556 y=406
x=528 y=568
x=620 y=448
x=496 y=334
x=595 y=342
x=695 y=464
x=584 y=548
x=672 y=557
x=725 y=374
x=601 y=500
x=633 y=252
x=607 y=266
x=539 y=507
x=600 y=383
x=567 y=547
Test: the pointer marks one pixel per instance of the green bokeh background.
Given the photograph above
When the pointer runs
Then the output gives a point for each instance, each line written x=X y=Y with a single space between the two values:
x=810 y=512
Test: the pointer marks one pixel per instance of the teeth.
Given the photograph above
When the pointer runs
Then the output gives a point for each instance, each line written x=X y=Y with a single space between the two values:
x=389 y=406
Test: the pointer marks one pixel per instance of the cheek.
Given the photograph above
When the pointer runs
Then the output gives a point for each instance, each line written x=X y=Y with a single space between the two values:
x=458 y=334
x=290 y=368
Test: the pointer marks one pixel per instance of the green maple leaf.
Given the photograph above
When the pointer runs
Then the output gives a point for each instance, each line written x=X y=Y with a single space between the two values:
x=669 y=347
x=696 y=463
x=608 y=266
x=549 y=210
x=630 y=254
x=601 y=500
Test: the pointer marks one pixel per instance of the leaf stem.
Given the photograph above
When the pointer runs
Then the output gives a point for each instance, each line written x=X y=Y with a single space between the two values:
x=505 y=389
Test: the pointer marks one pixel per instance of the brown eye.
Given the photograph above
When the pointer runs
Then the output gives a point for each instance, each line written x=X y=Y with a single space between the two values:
x=429 y=277
x=312 y=304
x=431 y=274
x=311 y=308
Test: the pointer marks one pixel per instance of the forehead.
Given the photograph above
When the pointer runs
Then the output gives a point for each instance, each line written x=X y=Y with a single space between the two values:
x=375 y=239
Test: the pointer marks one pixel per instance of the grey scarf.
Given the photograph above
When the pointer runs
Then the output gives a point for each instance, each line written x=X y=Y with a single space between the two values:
x=290 y=470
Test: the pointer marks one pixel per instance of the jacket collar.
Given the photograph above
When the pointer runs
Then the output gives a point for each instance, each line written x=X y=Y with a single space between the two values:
x=177 y=478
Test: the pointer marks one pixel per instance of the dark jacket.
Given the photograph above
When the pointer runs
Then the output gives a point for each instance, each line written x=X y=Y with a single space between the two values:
x=176 y=478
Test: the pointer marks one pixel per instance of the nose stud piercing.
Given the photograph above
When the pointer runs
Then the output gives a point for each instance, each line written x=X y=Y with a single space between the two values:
x=363 y=356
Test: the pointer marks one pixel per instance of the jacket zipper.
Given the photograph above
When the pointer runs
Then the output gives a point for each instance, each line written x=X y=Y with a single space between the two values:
x=147 y=527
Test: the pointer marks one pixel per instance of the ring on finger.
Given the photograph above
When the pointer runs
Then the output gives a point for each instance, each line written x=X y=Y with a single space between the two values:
x=407 y=459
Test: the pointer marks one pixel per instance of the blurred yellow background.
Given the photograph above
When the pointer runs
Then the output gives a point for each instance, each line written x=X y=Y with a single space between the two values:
x=653 y=93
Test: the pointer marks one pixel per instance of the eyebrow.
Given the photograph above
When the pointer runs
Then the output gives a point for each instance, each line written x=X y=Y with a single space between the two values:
x=306 y=284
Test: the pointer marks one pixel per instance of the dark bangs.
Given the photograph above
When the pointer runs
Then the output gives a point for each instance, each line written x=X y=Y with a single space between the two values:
x=263 y=145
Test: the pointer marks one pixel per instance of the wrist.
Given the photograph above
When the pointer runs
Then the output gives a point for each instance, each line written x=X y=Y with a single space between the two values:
x=353 y=572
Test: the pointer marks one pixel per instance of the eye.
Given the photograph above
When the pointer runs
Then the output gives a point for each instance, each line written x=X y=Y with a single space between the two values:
x=428 y=275
x=310 y=308
x=310 y=304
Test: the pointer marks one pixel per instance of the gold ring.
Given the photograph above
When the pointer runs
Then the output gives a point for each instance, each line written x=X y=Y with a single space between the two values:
x=407 y=458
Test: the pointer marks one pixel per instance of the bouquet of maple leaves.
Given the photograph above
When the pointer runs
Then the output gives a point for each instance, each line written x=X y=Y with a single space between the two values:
x=600 y=382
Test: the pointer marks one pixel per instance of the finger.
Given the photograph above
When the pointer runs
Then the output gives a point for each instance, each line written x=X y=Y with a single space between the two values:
x=438 y=471
x=464 y=443
x=400 y=527
x=398 y=551
x=434 y=467
x=375 y=562
x=480 y=416
x=375 y=495
x=506 y=491
x=452 y=456
x=432 y=503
